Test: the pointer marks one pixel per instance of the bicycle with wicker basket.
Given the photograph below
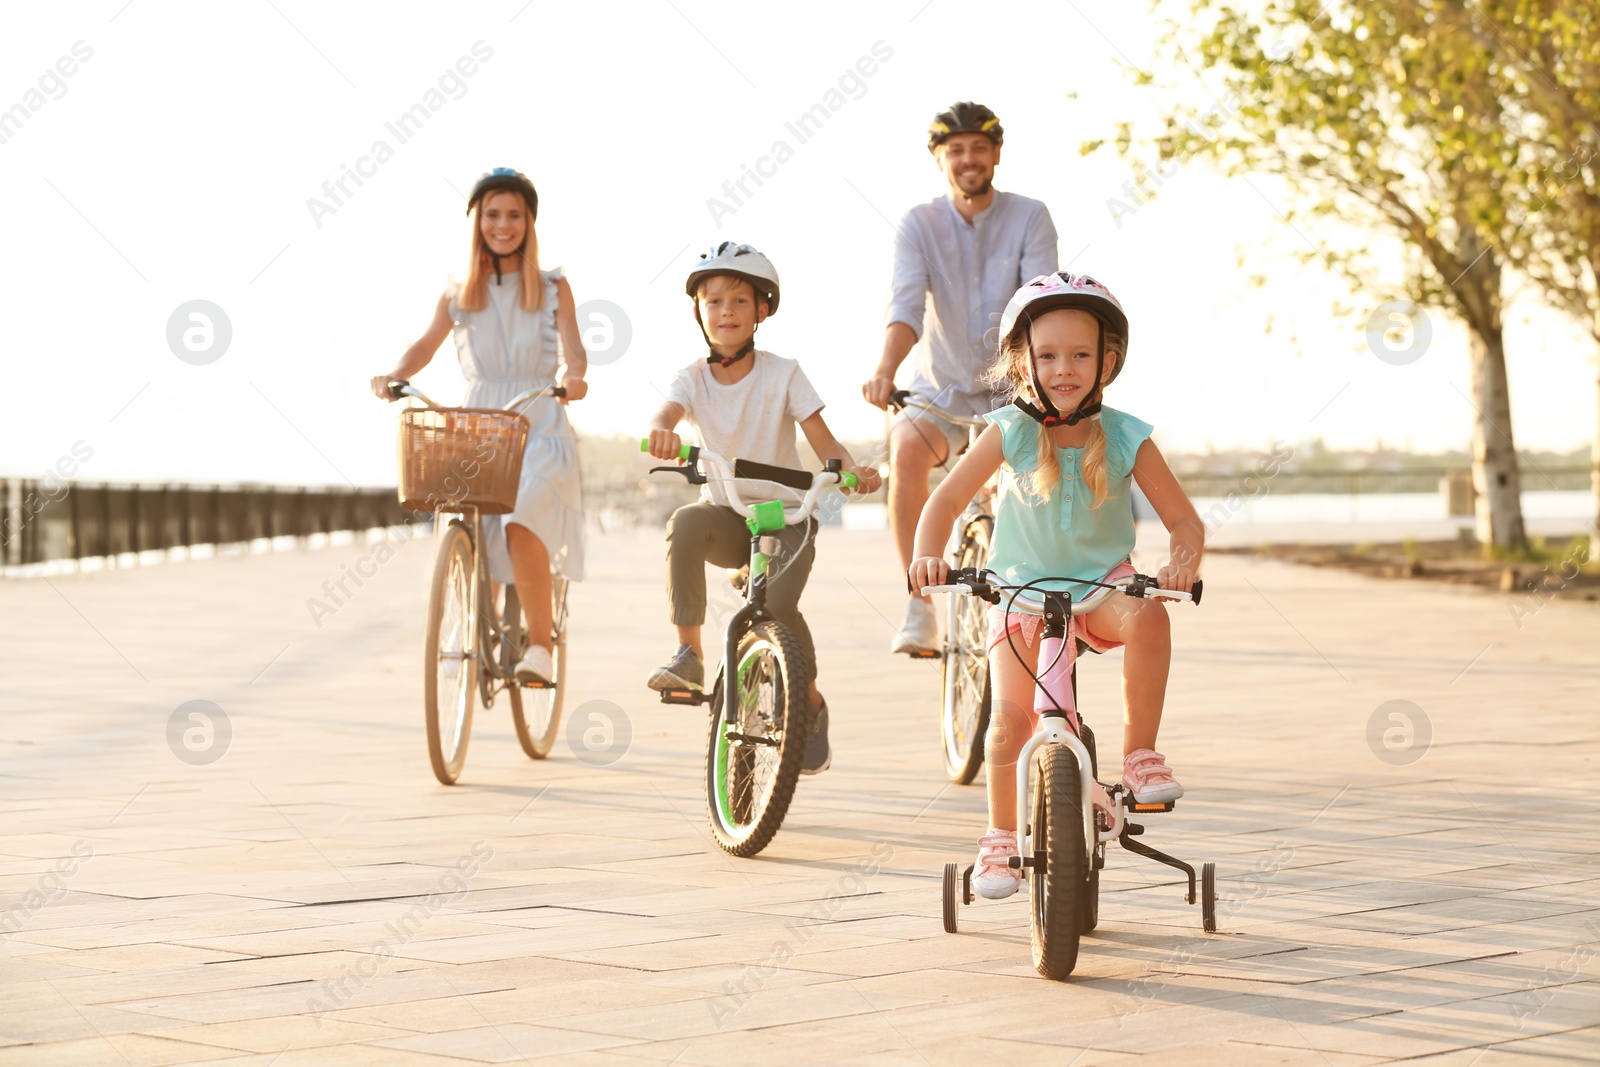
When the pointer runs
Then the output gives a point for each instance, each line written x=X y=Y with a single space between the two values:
x=462 y=464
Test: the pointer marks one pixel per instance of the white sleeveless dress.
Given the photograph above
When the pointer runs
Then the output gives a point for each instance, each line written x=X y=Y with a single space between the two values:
x=505 y=351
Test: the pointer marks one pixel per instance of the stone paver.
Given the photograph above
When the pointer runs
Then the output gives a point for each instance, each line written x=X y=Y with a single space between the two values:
x=313 y=896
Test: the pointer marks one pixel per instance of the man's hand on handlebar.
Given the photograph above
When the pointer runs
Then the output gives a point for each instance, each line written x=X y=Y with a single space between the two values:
x=664 y=444
x=878 y=389
x=927 y=570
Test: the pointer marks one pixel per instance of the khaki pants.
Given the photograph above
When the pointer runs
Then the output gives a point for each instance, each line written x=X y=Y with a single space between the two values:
x=702 y=533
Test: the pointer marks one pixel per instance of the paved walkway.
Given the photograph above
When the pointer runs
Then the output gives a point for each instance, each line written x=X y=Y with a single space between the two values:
x=312 y=896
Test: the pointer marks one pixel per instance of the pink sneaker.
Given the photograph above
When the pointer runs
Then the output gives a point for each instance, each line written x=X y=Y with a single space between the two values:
x=1145 y=773
x=993 y=880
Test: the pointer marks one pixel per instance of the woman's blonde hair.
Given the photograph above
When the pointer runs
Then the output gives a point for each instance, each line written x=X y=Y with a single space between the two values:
x=1011 y=375
x=474 y=292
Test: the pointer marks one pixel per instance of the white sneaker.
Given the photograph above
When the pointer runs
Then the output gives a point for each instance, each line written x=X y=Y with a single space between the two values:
x=992 y=879
x=537 y=666
x=919 y=634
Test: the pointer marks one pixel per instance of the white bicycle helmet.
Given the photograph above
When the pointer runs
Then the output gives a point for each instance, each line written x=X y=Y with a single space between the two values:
x=741 y=261
x=1051 y=292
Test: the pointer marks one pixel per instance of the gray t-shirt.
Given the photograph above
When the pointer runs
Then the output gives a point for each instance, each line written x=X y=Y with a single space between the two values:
x=754 y=418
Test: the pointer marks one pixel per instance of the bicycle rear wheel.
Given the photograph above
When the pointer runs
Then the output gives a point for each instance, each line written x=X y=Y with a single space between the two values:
x=536 y=711
x=1059 y=874
x=449 y=675
x=753 y=762
x=965 y=695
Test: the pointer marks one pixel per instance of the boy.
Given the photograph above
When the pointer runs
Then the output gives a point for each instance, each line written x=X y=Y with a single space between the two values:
x=742 y=403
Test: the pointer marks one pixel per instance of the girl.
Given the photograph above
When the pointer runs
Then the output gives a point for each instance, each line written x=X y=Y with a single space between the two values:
x=514 y=326
x=1065 y=511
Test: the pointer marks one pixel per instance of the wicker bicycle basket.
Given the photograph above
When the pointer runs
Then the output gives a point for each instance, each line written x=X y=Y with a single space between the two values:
x=452 y=459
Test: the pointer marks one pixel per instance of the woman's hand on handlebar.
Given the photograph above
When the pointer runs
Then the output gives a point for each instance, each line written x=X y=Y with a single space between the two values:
x=380 y=387
x=878 y=389
x=577 y=389
x=927 y=570
x=664 y=444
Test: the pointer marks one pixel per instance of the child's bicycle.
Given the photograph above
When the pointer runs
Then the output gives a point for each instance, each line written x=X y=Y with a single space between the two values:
x=964 y=675
x=760 y=711
x=1061 y=839
x=462 y=464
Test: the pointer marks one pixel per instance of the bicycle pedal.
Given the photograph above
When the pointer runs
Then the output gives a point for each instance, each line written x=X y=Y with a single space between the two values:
x=1151 y=808
x=923 y=654
x=537 y=685
x=689 y=697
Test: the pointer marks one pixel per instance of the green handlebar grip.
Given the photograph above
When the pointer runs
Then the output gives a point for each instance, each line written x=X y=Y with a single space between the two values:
x=848 y=481
x=683 y=450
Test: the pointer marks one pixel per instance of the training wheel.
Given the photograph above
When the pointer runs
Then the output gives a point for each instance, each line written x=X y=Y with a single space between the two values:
x=1208 y=897
x=952 y=879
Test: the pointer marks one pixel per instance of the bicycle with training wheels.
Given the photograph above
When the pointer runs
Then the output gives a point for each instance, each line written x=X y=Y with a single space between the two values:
x=1061 y=836
x=760 y=712
x=964 y=663
x=462 y=464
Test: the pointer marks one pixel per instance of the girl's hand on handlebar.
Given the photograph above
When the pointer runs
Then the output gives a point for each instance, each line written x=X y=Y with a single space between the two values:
x=868 y=480
x=380 y=387
x=664 y=444
x=927 y=570
x=577 y=389
x=1177 y=576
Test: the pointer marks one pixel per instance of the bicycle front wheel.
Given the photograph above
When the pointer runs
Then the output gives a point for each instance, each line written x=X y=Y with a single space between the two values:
x=1059 y=875
x=449 y=675
x=753 y=761
x=965 y=696
x=536 y=711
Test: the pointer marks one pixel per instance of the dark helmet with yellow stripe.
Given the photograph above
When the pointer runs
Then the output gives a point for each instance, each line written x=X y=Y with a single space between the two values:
x=964 y=117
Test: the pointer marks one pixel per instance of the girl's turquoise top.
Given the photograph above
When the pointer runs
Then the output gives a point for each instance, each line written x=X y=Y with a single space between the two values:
x=1063 y=536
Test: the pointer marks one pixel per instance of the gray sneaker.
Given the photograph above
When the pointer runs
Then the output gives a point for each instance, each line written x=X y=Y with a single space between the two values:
x=684 y=671
x=819 y=754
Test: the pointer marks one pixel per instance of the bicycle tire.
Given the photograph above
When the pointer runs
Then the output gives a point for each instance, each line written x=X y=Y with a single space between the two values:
x=950 y=891
x=964 y=703
x=536 y=712
x=745 y=809
x=448 y=692
x=1060 y=880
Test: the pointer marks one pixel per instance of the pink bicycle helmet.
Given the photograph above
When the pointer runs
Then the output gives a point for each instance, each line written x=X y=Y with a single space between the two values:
x=1051 y=292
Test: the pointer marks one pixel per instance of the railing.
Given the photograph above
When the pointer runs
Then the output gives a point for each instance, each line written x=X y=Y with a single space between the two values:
x=1362 y=482
x=45 y=521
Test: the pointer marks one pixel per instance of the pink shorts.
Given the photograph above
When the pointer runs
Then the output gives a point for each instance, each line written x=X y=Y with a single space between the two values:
x=1002 y=623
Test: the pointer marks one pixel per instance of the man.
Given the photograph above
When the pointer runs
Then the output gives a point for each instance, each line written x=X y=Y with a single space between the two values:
x=968 y=251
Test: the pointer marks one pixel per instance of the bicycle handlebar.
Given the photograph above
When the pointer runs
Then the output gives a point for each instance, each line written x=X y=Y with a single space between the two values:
x=399 y=387
x=1031 y=600
x=727 y=473
x=903 y=398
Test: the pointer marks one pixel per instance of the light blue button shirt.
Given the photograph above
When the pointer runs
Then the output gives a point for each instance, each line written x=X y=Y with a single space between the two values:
x=967 y=271
x=1063 y=537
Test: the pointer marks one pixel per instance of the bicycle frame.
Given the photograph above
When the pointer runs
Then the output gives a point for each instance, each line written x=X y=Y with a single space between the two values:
x=1053 y=697
x=765 y=520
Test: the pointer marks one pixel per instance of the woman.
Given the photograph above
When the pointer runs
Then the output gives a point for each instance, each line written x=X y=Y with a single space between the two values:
x=514 y=329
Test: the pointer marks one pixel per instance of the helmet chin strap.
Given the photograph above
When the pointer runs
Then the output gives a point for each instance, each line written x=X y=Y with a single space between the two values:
x=1047 y=414
x=715 y=357
x=497 y=257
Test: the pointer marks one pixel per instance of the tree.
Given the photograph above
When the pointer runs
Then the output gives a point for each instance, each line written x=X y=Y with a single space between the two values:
x=1547 y=59
x=1373 y=118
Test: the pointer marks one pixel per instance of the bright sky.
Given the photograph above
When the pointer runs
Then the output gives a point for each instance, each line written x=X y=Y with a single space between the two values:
x=176 y=161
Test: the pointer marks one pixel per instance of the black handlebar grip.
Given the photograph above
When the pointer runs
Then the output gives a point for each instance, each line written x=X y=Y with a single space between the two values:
x=1194 y=590
x=395 y=386
x=558 y=390
x=899 y=397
